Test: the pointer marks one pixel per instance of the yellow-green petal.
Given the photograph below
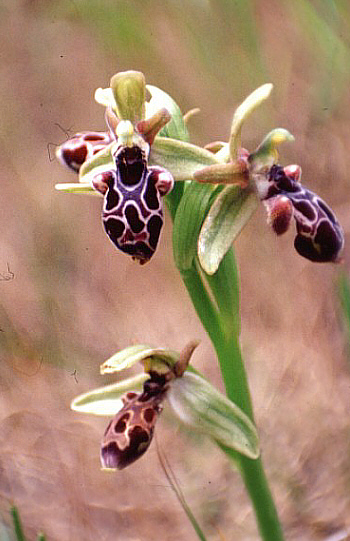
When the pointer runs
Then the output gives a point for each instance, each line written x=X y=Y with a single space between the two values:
x=266 y=154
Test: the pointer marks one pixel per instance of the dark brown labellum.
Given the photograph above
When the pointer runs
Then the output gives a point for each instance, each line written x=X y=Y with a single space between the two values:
x=319 y=235
x=132 y=213
x=130 y=433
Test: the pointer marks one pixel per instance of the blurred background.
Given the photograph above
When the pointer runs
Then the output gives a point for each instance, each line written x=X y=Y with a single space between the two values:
x=69 y=300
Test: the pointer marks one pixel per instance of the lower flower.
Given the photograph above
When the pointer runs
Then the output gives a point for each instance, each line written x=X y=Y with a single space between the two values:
x=194 y=401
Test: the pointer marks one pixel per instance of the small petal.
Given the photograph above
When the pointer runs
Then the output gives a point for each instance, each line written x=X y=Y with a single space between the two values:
x=190 y=114
x=128 y=89
x=149 y=128
x=224 y=173
x=243 y=112
x=227 y=216
x=107 y=400
x=215 y=146
x=175 y=128
x=266 y=155
x=199 y=405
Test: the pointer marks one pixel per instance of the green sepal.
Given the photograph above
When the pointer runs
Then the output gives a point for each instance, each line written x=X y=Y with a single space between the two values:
x=180 y=158
x=243 y=112
x=188 y=221
x=158 y=359
x=101 y=161
x=175 y=128
x=76 y=187
x=129 y=91
x=107 y=400
x=199 y=405
x=227 y=216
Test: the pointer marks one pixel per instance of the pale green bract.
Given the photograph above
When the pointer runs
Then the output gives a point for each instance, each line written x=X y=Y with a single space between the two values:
x=199 y=405
x=229 y=213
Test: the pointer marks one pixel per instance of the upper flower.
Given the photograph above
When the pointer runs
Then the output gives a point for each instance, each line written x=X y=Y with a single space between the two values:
x=115 y=163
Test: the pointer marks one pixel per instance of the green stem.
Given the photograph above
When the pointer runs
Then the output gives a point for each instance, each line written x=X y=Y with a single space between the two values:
x=220 y=321
x=204 y=306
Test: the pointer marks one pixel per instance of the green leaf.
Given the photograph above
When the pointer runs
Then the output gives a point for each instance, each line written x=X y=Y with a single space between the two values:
x=107 y=400
x=198 y=404
x=129 y=89
x=188 y=221
x=136 y=354
x=17 y=524
x=176 y=128
x=227 y=216
x=180 y=158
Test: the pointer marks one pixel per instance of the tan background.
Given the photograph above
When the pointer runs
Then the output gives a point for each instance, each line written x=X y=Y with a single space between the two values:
x=74 y=300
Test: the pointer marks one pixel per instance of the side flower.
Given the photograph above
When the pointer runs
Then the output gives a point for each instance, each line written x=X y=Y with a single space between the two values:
x=137 y=403
x=247 y=177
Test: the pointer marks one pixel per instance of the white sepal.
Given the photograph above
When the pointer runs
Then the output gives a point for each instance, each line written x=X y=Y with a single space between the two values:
x=107 y=400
